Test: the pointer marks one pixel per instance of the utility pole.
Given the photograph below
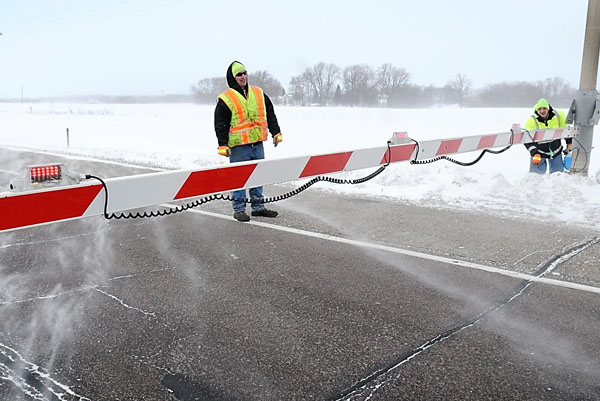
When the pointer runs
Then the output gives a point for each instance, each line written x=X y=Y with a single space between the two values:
x=585 y=109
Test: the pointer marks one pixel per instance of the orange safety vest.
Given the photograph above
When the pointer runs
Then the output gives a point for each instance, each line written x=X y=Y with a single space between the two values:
x=248 y=116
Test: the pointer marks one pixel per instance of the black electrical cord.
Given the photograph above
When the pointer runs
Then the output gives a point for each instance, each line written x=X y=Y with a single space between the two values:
x=573 y=161
x=444 y=157
x=210 y=198
x=466 y=164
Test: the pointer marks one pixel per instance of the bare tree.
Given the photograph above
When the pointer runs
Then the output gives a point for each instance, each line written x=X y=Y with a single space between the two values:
x=552 y=87
x=300 y=90
x=390 y=78
x=460 y=87
x=351 y=78
x=557 y=91
x=322 y=77
x=208 y=89
x=525 y=94
x=268 y=84
x=360 y=84
x=509 y=94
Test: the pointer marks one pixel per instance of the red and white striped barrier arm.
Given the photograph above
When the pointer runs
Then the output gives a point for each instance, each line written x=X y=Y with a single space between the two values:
x=429 y=149
x=18 y=210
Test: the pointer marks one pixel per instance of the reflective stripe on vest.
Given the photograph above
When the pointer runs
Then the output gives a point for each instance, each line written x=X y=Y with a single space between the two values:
x=248 y=116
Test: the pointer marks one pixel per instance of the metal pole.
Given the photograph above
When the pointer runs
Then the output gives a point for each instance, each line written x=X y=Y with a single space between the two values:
x=591 y=47
x=585 y=106
x=67 y=137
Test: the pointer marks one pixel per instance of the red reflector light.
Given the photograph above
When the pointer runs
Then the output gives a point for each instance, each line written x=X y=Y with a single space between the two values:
x=46 y=173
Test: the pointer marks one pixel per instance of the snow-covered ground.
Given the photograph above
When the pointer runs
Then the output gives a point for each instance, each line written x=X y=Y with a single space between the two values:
x=181 y=136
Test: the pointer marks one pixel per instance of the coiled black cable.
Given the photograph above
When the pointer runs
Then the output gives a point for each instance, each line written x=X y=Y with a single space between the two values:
x=226 y=197
x=574 y=160
x=466 y=164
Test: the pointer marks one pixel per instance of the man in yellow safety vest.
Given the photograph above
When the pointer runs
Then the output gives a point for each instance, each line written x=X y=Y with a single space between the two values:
x=544 y=117
x=243 y=115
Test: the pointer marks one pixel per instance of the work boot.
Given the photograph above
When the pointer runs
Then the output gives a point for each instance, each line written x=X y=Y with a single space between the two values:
x=241 y=216
x=264 y=213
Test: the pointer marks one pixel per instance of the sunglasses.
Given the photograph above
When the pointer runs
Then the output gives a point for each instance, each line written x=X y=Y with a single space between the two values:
x=241 y=73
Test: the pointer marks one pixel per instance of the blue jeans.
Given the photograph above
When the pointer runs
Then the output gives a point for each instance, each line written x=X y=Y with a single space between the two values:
x=244 y=153
x=556 y=165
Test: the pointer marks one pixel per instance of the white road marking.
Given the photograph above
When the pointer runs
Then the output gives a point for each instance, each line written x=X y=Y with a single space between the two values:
x=420 y=255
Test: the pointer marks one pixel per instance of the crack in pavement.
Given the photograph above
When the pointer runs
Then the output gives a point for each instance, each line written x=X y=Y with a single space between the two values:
x=377 y=379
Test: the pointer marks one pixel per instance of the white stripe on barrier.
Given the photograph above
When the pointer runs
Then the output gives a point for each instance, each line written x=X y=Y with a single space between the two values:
x=468 y=144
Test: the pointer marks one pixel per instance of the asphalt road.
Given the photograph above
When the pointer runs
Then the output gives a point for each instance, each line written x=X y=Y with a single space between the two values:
x=338 y=298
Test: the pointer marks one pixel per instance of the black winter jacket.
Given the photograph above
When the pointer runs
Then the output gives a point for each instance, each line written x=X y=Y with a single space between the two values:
x=223 y=114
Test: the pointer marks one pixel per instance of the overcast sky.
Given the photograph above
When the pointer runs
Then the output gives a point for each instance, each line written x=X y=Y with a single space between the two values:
x=154 y=47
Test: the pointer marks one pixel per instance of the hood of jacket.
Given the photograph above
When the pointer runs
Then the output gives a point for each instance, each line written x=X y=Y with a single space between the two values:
x=232 y=82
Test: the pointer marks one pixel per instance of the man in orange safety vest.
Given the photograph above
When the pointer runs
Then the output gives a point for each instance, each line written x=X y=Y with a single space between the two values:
x=243 y=116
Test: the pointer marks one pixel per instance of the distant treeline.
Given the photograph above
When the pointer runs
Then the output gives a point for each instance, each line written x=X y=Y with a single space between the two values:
x=389 y=86
x=363 y=86
x=103 y=99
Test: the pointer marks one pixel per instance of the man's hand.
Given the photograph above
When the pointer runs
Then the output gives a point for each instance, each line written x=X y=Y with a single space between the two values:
x=276 y=139
x=224 y=151
x=537 y=159
x=568 y=149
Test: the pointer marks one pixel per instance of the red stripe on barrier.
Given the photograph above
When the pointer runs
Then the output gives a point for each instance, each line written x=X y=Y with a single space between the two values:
x=399 y=153
x=518 y=137
x=487 y=142
x=44 y=207
x=450 y=146
x=557 y=133
x=539 y=135
x=217 y=180
x=325 y=164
